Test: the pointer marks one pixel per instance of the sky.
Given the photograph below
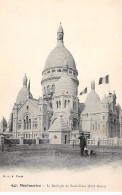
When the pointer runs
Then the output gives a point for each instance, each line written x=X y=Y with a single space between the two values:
x=28 y=33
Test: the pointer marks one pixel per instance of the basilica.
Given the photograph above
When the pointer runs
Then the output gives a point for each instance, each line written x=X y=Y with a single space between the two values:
x=58 y=115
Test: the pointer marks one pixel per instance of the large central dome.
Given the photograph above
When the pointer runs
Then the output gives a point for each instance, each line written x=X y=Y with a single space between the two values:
x=59 y=54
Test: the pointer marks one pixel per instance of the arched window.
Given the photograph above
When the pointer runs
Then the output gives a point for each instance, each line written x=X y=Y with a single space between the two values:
x=48 y=89
x=44 y=90
x=24 y=124
x=53 y=88
x=65 y=103
x=59 y=70
x=27 y=122
x=75 y=124
x=96 y=126
x=70 y=71
x=59 y=104
x=74 y=105
x=93 y=127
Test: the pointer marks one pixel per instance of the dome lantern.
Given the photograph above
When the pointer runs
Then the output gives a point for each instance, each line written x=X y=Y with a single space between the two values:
x=93 y=85
x=60 y=33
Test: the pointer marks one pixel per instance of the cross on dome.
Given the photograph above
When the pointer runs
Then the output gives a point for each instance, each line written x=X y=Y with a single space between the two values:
x=93 y=85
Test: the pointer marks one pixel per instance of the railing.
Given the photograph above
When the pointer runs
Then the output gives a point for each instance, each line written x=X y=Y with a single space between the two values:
x=91 y=142
x=75 y=142
x=106 y=142
x=120 y=142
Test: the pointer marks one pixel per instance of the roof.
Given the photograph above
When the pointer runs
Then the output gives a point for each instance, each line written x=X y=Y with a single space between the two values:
x=60 y=29
x=59 y=53
x=3 y=120
x=93 y=102
x=57 y=56
x=65 y=86
x=22 y=95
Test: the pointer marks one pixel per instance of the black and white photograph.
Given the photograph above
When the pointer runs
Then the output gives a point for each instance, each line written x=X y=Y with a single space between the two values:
x=61 y=95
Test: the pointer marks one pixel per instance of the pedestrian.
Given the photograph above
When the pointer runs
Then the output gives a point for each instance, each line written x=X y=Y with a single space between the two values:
x=82 y=143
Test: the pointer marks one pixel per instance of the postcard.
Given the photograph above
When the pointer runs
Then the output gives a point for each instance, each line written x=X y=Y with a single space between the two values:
x=60 y=96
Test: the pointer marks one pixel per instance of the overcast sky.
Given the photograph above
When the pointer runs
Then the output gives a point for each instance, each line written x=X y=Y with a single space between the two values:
x=28 y=33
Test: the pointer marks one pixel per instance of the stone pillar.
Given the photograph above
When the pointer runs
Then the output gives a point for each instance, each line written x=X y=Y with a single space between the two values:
x=116 y=141
x=96 y=141
x=2 y=139
x=21 y=140
x=37 y=140
x=71 y=102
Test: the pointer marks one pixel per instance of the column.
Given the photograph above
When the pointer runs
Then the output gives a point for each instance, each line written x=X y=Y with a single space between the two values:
x=2 y=139
x=116 y=141
x=21 y=140
x=37 y=140
x=71 y=102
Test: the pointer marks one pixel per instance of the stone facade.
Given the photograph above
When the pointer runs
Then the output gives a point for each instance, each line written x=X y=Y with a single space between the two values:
x=101 y=118
x=58 y=115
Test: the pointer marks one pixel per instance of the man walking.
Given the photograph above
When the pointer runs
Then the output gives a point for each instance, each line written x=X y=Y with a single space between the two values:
x=82 y=143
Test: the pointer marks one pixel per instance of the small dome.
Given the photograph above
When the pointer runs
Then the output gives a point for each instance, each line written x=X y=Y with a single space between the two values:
x=23 y=95
x=65 y=86
x=3 y=121
x=93 y=102
x=105 y=100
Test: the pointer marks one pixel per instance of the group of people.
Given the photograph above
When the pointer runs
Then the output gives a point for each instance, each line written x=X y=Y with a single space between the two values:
x=83 y=147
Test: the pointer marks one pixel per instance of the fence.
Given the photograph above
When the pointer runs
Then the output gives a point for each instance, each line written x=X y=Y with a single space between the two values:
x=21 y=141
x=120 y=142
x=29 y=141
x=75 y=142
x=10 y=141
x=105 y=142
x=99 y=142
